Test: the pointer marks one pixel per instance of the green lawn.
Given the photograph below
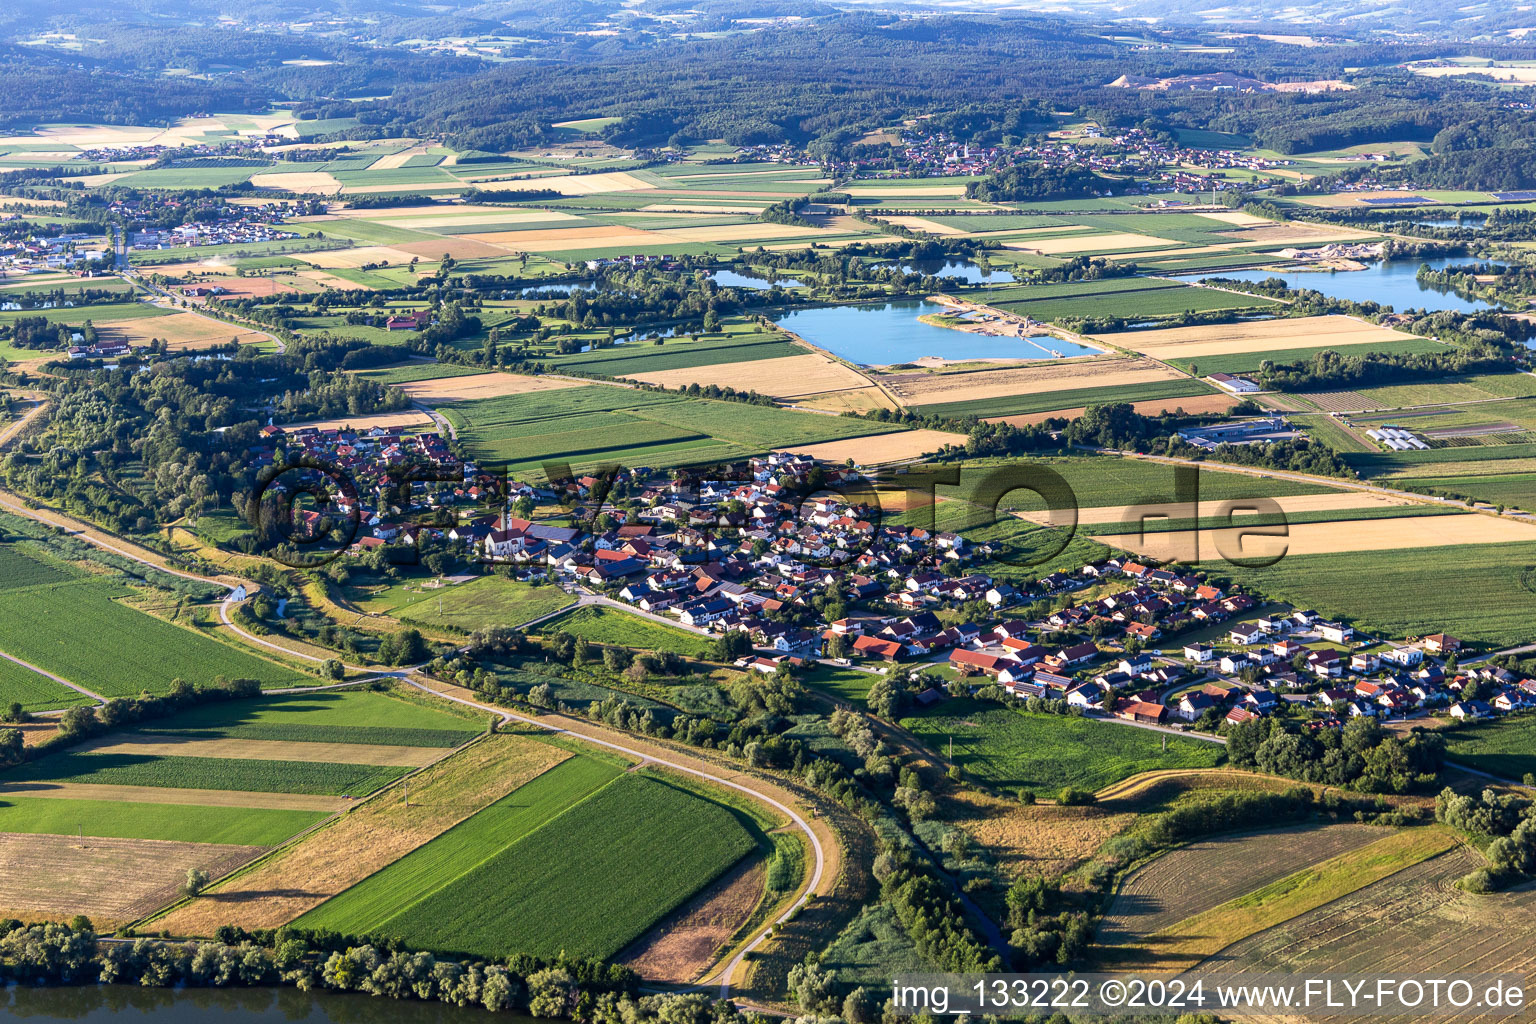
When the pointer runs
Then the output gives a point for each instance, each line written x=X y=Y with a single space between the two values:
x=849 y=684
x=241 y=826
x=587 y=883
x=1504 y=747
x=1008 y=748
x=603 y=625
x=246 y=775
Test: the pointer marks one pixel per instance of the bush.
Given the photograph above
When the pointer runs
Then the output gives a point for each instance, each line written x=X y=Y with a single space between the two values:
x=1074 y=797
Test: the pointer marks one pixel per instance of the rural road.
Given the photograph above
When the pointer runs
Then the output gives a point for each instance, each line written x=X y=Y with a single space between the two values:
x=729 y=970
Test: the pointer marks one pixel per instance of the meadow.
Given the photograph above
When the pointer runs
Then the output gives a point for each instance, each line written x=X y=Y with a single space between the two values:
x=1008 y=748
x=240 y=826
x=86 y=634
x=1133 y=304
x=242 y=774
x=589 y=882
x=1505 y=747
x=603 y=625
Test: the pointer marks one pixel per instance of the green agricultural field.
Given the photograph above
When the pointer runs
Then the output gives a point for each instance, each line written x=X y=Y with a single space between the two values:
x=336 y=716
x=676 y=354
x=477 y=604
x=589 y=882
x=1008 y=748
x=84 y=633
x=594 y=424
x=603 y=625
x=99 y=313
x=849 y=684
x=366 y=906
x=246 y=775
x=1475 y=460
x=1077 y=398
x=1513 y=490
x=1483 y=593
x=1505 y=747
x=240 y=826
x=20 y=685
x=193 y=177
x=18 y=569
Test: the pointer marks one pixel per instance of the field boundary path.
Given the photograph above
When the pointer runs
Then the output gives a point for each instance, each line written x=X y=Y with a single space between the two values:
x=585 y=734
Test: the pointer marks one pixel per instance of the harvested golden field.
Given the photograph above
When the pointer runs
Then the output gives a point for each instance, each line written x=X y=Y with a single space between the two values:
x=1188 y=510
x=1521 y=74
x=1330 y=538
x=1029 y=379
x=872 y=451
x=854 y=400
x=351 y=259
x=387 y=420
x=932 y=227
x=1043 y=839
x=310 y=182
x=178 y=330
x=148 y=744
x=1147 y=407
x=482 y=385
x=1188 y=942
x=1255 y=336
x=735 y=232
x=105 y=879
x=1160 y=894
x=1236 y=218
x=575 y=184
x=324 y=280
x=373 y=835
x=1415 y=922
x=1091 y=243
x=167 y=795
x=1295 y=234
x=788 y=377
x=460 y=248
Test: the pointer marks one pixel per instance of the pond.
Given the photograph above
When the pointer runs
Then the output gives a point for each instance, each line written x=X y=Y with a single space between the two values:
x=731 y=279
x=883 y=333
x=1392 y=283
x=133 y=1004
x=558 y=288
x=961 y=270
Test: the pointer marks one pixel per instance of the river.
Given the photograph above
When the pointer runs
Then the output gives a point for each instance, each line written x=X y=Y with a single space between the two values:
x=132 y=1004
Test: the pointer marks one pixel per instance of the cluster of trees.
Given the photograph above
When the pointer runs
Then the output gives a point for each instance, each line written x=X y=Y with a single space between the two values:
x=587 y=990
x=1026 y=182
x=1507 y=821
x=1360 y=756
x=1337 y=370
x=38 y=332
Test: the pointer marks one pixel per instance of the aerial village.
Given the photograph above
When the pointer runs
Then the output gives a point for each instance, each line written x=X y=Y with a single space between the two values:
x=1152 y=646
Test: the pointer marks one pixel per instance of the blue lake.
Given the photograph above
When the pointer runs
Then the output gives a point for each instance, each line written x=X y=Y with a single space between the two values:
x=882 y=333
x=731 y=279
x=961 y=270
x=1391 y=283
